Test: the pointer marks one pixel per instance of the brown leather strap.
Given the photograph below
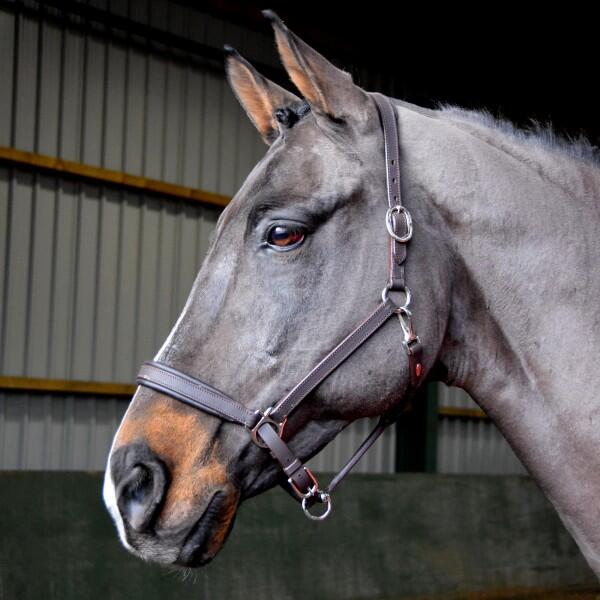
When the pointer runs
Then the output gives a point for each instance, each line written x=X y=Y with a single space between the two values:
x=383 y=423
x=194 y=392
x=397 y=255
x=300 y=477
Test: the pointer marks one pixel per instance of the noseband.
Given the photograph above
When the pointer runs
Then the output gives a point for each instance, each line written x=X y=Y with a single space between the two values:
x=266 y=428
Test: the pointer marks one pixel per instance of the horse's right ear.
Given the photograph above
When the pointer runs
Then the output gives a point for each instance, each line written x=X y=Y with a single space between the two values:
x=259 y=97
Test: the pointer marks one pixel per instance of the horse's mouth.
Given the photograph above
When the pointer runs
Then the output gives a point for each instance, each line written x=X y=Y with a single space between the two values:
x=196 y=550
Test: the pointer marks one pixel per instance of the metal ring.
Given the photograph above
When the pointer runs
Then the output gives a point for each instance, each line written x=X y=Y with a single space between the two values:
x=401 y=309
x=325 y=498
x=389 y=223
x=264 y=418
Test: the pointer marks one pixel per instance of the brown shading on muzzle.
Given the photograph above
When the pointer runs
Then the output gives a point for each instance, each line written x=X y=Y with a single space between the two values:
x=176 y=435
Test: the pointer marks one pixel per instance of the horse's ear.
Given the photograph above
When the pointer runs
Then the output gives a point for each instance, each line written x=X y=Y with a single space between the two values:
x=329 y=90
x=259 y=97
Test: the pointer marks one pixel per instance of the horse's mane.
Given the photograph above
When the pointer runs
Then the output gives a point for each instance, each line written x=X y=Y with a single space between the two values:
x=537 y=133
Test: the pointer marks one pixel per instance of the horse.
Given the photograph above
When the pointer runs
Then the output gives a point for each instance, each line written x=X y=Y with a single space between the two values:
x=504 y=274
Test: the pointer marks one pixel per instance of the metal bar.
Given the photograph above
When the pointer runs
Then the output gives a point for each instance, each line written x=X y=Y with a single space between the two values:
x=431 y=428
x=462 y=413
x=94 y=388
x=62 y=167
x=411 y=435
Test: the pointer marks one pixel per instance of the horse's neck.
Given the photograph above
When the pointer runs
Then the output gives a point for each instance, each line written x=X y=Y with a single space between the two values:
x=524 y=223
x=524 y=333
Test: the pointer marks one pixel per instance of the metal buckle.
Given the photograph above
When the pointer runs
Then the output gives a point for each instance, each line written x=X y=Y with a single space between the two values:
x=311 y=490
x=391 y=224
x=265 y=418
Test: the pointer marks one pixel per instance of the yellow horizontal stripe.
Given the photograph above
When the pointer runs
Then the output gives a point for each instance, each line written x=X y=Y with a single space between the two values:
x=464 y=413
x=95 y=388
x=98 y=174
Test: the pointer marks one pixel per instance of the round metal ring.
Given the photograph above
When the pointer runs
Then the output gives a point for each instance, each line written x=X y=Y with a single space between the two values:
x=326 y=499
x=404 y=308
x=389 y=223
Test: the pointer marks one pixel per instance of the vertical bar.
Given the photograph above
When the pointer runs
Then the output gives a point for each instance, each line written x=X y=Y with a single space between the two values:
x=431 y=427
x=416 y=433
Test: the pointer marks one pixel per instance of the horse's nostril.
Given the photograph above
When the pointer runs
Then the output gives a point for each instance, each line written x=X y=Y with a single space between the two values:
x=140 y=482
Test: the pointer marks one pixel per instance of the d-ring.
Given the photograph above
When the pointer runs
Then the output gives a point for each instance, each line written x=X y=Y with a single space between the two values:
x=325 y=498
x=389 y=223
x=401 y=309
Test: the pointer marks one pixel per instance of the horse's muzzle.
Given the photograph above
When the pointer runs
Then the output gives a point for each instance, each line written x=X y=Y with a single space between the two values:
x=189 y=538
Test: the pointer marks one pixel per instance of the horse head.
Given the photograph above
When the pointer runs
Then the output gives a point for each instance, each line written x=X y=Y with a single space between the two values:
x=297 y=258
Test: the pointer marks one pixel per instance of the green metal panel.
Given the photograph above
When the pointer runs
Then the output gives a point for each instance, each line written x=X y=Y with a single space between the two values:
x=397 y=536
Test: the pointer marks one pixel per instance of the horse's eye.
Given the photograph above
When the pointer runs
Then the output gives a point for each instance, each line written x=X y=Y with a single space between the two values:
x=285 y=236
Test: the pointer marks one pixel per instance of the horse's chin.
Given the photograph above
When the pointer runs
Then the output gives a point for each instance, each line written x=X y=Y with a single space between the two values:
x=207 y=536
x=191 y=545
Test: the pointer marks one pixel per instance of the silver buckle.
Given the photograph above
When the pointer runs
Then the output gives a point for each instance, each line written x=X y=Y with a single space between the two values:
x=265 y=418
x=391 y=225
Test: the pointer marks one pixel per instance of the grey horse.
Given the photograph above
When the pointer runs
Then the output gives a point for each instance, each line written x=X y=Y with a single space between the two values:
x=504 y=269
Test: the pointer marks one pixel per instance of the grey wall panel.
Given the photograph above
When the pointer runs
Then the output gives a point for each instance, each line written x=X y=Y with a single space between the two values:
x=94 y=277
x=84 y=98
x=7 y=52
x=51 y=432
x=381 y=458
x=471 y=446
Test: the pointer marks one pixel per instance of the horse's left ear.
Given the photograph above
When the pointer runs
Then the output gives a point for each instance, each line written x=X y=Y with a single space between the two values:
x=329 y=90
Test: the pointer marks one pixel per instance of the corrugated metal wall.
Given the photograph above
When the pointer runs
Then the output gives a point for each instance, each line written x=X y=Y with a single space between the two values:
x=81 y=97
x=94 y=276
x=49 y=432
x=471 y=445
